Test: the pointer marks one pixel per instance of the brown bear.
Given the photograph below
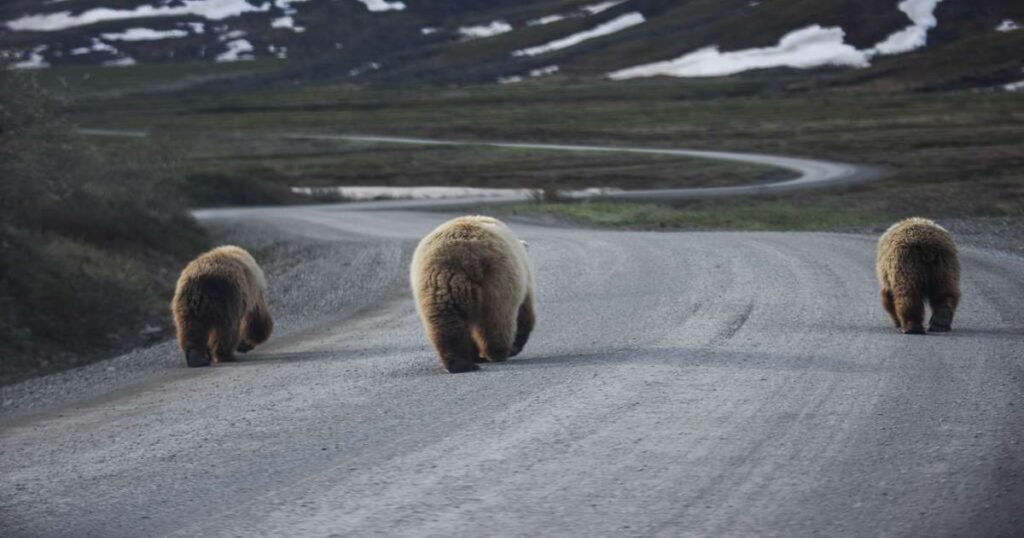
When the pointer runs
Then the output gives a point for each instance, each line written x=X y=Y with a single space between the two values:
x=220 y=306
x=917 y=260
x=473 y=286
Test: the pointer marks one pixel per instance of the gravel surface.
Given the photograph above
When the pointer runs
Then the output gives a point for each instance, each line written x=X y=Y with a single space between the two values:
x=716 y=383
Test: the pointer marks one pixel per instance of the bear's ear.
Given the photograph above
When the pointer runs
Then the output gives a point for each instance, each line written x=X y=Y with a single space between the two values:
x=525 y=244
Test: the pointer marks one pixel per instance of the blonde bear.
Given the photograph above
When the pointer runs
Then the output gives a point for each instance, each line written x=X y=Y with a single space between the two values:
x=917 y=261
x=474 y=289
x=220 y=306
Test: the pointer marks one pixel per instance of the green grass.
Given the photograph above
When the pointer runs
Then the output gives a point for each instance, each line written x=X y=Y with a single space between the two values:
x=260 y=162
x=752 y=216
x=91 y=239
x=951 y=154
x=107 y=82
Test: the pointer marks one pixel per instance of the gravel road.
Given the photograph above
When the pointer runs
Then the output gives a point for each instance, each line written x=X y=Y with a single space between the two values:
x=811 y=173
x=678 y=384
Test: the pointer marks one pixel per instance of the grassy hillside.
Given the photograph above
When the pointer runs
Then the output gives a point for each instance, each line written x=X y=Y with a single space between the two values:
x=950 y=153
x=90 y=242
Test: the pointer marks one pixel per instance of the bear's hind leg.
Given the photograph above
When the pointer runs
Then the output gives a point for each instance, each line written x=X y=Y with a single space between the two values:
x=888 y=303
x=494 y=335
x=943 y=307
x=524 y=326
x=455 y=346
x=224 y=340
x=256 y=329
x=910 y=309
x=193 y=338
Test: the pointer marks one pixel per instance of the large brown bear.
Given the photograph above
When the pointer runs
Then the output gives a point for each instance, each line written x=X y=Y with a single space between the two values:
x=474 y=290
x=220 y=306
x=917 y=260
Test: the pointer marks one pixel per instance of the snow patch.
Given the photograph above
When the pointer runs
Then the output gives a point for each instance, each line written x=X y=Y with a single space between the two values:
x=144 y=34
x=283 y=22
x=547 y=19
x=429 y=30
x=1007 y=26
x=382 y=5
x=287 y=22
x=208 y=9
x=1014 y=86
x=488 y=30
x=35 y=59
x=581 y=12
x=196 y=27
x=510 y=80
x=234 y=34
x=361 y=193
x=922 y=17
x=809 y=47
x=603 y=6
x=126 y=61
x=540 y=72
x=99 y=46
x=411 y=193
x=615 y=25
x=237 y=51
x=365 y=68
x=279 y=52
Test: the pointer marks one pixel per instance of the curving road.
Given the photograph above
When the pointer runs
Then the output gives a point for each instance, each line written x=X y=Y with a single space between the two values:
x=678 y=384
x=811 y=173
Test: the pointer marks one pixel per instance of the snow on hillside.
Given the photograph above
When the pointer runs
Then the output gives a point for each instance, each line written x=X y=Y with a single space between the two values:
x=922 y=15
x=237 y=50
x=35 y=59
x=603 y=6
x=615 y=25
x=143 y=34
x=213 y=10
x=485 y=30
x=583 y=11
x=125 y=61
x=543 y=71
x=1007 y=26
x=208 y=9
x=382 y=5
x=813 y=46
x=115 y=32
x=809 y=47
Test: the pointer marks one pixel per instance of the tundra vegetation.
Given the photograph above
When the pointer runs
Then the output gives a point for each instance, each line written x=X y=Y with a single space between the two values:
x=953 y=153
x=90 y=239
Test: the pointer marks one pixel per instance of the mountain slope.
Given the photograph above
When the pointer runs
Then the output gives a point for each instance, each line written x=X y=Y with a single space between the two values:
x=475 y=41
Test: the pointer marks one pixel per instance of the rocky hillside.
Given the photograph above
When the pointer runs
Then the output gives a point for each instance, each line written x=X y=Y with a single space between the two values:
x=924 y=44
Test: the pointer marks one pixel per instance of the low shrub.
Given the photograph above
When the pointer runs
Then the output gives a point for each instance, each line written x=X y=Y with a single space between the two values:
x=90 y=242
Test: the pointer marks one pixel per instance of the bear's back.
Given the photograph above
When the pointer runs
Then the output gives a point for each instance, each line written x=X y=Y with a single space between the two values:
x=476 y=246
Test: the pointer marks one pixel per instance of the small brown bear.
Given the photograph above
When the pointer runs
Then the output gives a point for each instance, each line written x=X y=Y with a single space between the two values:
x=220 y=307
x=917 y=260
x=473 y=286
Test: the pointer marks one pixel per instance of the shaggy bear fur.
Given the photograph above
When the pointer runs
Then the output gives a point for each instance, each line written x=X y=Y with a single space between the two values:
x=917 y=260
x=474 y=291
x=219 y=306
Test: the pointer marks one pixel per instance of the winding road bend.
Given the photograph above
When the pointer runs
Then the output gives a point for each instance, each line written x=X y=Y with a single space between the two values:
x=678 y=384
x=811 y=173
